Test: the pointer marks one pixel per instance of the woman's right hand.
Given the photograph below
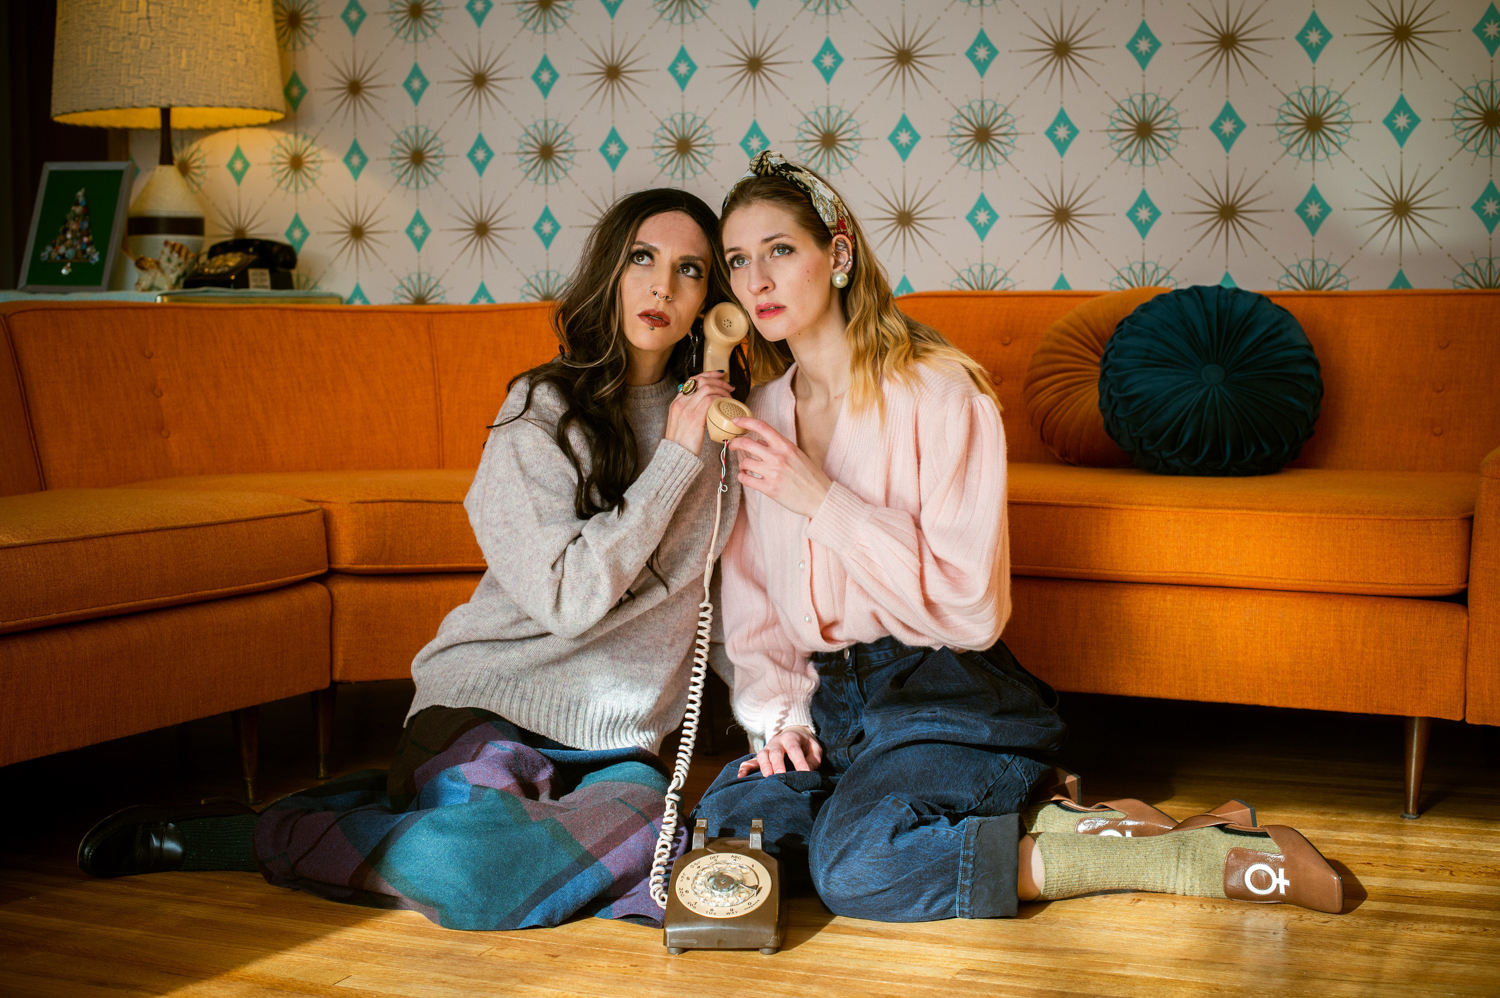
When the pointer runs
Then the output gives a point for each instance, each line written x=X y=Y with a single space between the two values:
x=689 y=413
x=796 y=743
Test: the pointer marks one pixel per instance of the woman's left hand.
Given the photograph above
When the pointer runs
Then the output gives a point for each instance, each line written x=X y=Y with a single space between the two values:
x=775 y=467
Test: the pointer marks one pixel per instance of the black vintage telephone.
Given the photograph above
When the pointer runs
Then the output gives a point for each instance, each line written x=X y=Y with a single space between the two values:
x=725 y=893
x=262 y=264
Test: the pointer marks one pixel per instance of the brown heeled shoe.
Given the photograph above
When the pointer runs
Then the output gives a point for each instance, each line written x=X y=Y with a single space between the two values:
x=1234 y=810
x=1139 y=818
x=1059 y=783
x=1296 y=873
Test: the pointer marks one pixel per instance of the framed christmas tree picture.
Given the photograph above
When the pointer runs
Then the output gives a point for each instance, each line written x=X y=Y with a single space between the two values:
x=77 y=226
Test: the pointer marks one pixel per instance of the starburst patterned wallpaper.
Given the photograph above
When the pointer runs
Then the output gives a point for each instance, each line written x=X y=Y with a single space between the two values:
x=459 y=150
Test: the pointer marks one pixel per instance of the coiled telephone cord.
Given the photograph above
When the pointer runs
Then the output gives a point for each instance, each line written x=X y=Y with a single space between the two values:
x=663 y=854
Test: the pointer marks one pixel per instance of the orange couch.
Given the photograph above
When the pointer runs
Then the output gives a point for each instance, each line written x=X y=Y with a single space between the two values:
x=203 y=508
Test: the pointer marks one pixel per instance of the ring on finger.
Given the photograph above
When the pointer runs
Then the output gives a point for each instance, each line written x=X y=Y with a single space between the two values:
x=688 y=387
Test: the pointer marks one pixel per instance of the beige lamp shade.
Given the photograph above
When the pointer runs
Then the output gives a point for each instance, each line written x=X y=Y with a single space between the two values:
x=213 y=62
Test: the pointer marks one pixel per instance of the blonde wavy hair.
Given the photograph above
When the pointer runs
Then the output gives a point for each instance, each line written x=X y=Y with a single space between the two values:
x=885 y=342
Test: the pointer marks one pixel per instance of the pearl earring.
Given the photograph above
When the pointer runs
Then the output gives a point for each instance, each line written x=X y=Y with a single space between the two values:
x=840 y=279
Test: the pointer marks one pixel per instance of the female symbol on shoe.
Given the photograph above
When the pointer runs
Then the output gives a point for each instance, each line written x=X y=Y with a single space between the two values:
x=1278 y=879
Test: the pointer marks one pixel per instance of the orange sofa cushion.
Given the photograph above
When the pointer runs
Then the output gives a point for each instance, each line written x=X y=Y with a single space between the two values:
x=65 y=687
x=377 y=521
x=371 y=642
x=218 y=389
x=1386 y=533
x=1062 y=380
x=71 y=554
x=1321 y=651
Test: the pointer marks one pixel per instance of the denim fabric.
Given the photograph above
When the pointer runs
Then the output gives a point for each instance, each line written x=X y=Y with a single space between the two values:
x=928 y=757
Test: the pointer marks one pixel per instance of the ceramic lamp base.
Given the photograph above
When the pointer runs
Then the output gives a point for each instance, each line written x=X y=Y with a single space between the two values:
x=165 y=211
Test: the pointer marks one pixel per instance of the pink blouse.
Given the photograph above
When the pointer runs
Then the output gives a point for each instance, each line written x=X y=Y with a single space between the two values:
x=911 y=541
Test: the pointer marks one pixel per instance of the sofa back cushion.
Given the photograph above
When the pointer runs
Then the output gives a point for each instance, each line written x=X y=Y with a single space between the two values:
x=1408 y=376
x=477 y=351
x=121 y=393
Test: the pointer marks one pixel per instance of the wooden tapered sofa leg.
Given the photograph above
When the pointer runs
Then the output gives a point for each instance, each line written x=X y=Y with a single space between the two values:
x=1417 y=731
x=324 y=701
x=247 y=733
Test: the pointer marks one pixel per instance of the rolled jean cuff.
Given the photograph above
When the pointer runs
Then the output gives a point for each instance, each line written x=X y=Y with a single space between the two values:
x=987 y=868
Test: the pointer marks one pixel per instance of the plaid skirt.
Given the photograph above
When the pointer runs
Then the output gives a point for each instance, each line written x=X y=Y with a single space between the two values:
x=478 y=825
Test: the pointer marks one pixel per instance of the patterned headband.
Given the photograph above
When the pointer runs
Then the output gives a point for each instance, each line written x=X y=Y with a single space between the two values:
x=770 y=163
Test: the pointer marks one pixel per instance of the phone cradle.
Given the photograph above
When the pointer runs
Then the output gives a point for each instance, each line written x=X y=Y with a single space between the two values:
x=725 y=894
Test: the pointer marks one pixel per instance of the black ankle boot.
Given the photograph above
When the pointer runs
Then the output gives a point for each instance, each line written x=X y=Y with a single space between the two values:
x=145 y=838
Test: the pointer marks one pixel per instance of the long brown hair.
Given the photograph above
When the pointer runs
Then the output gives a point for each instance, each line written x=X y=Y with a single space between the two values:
x=884 y=341
x=590 y=370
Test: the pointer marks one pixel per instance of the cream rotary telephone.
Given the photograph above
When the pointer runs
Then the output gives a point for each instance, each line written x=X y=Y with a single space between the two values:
x=724 y=894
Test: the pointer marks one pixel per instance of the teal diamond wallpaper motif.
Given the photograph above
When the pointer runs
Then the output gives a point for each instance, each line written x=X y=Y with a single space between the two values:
x=1488 y=30
x=981 y=52
x=1313 y=210
x=827 y=60
x=1313 y=36
x=1228 y=126
x=904 y=137
x=682 y=68
x=238 y=165
x=353 y=15
x=355 y=159
x=613 y=149
x=546 y=227
x=1176 y=142
x=1143 y=214
x=1143 y=45
x=415 y=84
x=479 y=10
x=982 y=216
x=755 y=141
x=295 y=91
x=480 y=154
x=1402 y=120
x=1488 y=207
x=417 y=230
x=296 y=233
x=544 y=76
x=1062 y=132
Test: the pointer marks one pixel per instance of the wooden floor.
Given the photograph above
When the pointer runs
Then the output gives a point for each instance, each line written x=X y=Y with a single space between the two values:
x=1423 y=912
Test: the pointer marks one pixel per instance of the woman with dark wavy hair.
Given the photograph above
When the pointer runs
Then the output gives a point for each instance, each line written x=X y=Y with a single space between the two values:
x=526 y=788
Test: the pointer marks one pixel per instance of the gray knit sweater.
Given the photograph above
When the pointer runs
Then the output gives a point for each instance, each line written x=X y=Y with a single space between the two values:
x=569 y=634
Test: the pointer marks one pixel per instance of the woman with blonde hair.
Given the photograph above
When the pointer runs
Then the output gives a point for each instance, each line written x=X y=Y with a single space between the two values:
x=865 y=588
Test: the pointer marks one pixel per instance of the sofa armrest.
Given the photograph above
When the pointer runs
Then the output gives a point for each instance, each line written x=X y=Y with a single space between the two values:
x=1483 y=704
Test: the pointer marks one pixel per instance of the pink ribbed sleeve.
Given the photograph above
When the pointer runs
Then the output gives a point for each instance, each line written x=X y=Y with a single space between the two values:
x=911 y=542
x=773 y=679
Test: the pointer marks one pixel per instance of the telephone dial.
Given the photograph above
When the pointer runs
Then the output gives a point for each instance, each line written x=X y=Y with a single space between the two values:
x=724 y=893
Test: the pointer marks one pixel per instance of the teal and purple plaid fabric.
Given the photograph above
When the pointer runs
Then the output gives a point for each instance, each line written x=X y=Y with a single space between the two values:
x=500 y=835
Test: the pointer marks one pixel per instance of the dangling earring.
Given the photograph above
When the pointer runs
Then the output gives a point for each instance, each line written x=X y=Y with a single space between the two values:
x=840 y=279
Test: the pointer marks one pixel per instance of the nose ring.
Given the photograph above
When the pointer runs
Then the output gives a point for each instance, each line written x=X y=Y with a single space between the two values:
x=661 y=297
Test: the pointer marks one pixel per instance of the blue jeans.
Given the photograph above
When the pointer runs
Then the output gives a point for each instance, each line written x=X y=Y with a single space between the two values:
x=927 y=758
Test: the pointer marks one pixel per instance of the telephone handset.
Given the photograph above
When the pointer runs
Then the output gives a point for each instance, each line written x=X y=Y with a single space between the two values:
x=725 y=893
x=723 y=328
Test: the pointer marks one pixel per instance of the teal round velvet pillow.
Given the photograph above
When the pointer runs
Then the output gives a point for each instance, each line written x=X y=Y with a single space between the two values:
x=1210 y=381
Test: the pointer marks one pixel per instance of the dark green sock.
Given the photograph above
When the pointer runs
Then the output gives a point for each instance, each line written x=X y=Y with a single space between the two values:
x=226 y=843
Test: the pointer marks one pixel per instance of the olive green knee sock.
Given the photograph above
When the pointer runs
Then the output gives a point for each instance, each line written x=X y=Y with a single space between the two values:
x=226 y=843
x=1049 y=816
x=1189 y=862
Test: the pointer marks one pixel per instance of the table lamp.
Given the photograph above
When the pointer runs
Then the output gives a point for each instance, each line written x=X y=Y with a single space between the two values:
x=164 y=63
